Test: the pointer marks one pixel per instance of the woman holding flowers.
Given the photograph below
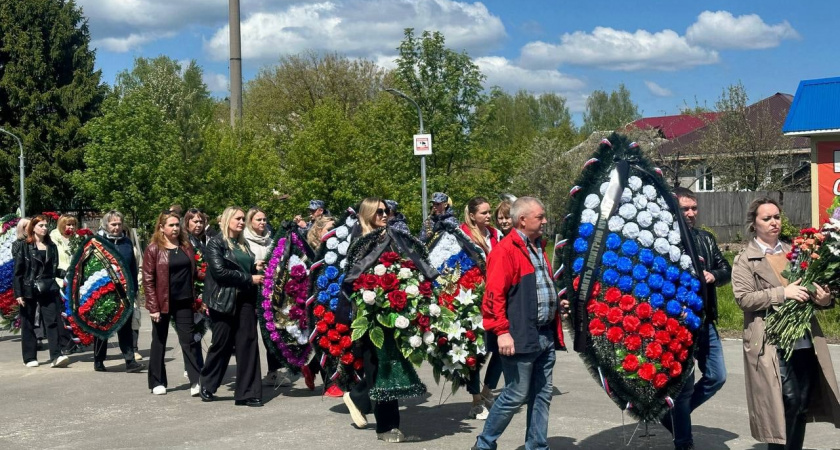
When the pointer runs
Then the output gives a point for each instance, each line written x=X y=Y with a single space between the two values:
x=168 y=280
x=782 y=394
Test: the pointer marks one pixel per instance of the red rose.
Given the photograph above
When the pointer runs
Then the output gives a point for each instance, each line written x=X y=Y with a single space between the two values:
x=389 y=258
x=470 y=335
x=663 y=337
x=333 y=335
x=335 y=350
x=425 y=288
x=471 y=361
x=576 y=282
x=342 y=328
x=667 y=359
x=614 y=335
x=319 y=311
x=630 y=323
x=408 y=264
x=389 y=282
x=398 y=300
x=633 y=342
x=674 y=346
x=358 y=364
x=442 y=341
x=324 y=343
x=653 y=350
x=658 y=319
x=644 y=310
x=596 y=327
x=345 y=342
x=627 y=302
x=423 y=321
x=683 y=355
x=647 y=331
x=803 y=265
x=676 y=369
x=647 y=371
x=329 y=317
x=369 y=281
x=684 y=336
x=672 y=326
x=630 y=363
x=614 y=315
x=347 y=359
x=660 y=380
x=612 y=295
x=321 y=327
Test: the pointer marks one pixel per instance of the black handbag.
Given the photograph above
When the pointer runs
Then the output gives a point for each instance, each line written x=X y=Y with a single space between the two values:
x=43 y=286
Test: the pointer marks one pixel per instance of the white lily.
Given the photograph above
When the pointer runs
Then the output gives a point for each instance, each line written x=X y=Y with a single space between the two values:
x=458 y=354
x=455 y=330
x=465 y=297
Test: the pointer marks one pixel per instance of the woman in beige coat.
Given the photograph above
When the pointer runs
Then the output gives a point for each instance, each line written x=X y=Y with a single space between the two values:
x=781 y=395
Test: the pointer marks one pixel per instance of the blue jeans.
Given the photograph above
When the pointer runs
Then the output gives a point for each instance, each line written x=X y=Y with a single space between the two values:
x=709 y=357
x=527 y=380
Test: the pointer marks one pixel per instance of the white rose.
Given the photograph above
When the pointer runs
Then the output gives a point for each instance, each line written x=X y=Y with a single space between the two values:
x=627 y=211
x=380 y=270
x=645 y=238
x=685 y=262
x=401 y=323
x=342 y=247
x=626 y=195
x=640 y=202
x=332 y=243
x=350 y=221
x=592 y=201
x=654 y=208
x=660 y=229
x=588 y=216
x=634 y=182
x=649 y=191
x=615 y=224
x=434 y=310
x=661 y=246
x=428 y=338
x=644 y=219
x=674 y=237
x=330 y=258
x=342 y=264
x=412 y=290
x=404 y=273
x=630 y=230
x=341 y=232
x=604 y=187
x=666 y=217
x=369 y=297
x=415 y=341
x=674 y=253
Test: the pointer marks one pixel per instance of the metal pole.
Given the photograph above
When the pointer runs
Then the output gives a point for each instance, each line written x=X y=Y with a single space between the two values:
x=235 y=64
x=422 y=158
x=22 y=175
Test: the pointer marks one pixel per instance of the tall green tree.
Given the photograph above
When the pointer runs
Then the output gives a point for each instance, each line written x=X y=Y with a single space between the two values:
x=48 y=91
x=608 y=112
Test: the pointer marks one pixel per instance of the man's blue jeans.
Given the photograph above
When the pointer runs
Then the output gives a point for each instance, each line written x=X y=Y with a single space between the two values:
x=709 y=357
x=527 y=380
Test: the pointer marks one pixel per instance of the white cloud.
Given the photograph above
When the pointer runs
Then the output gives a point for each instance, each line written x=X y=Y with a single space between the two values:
x=722 y=30
x=658 y=90
x=216 y=82
x=127 y=43
x=501 y=72
x=359 y=28
x=612 y=49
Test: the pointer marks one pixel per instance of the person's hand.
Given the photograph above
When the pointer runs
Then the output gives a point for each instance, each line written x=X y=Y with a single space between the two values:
x=19 y=301
x=260 y=266
x=796 y=292
x=564 y=308
x=257 y=279
x=710 y=279
x=821 y=296
x=506 y=345
x=155 y=316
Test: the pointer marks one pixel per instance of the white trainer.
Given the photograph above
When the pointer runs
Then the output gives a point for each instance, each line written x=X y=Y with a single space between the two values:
x=32 y=364
x=159 y=390
x=194 y=390
x=61 y=361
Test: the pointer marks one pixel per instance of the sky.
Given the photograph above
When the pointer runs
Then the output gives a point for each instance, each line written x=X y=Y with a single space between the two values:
x=669 y=54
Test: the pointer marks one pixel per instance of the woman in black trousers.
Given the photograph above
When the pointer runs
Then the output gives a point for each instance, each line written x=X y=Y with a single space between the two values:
x=231 y=296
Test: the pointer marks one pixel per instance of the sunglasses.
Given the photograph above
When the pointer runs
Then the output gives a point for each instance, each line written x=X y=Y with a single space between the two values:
x=383 y=212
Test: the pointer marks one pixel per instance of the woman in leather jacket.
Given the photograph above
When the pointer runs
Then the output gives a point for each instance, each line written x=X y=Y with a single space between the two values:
x=36 y=268
x=230 y=293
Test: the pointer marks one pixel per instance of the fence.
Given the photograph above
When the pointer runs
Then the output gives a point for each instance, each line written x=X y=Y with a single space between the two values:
x=725 y=212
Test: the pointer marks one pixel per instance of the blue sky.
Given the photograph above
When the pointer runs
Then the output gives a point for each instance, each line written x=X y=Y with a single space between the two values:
x=667 y=53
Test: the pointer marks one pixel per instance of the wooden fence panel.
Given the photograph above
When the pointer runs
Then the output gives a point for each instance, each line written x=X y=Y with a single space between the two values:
x=725 y=212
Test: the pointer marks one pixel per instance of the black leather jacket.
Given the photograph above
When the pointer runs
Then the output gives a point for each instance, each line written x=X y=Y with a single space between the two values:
x=225 y=281
x=714 y=262
x=29 y=267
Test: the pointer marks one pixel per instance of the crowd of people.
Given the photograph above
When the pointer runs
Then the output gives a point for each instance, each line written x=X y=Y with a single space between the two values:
x=522 y=313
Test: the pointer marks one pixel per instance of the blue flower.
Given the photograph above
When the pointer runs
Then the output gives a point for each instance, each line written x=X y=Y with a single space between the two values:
x=610 y=277
x=695 y=285
x=613 y=241
x=655 y=281
x=672 y=273
x=659 y=264
x=685 y=279
x=340 y=280
x=681 y=293
x=692 y=321
x=695 y=302
x=333 y=289
x=625 y=283
x=577 y=266
x=452 y=261
x=581 y=245
x=609 y=258
x=466 y=262
x=640 y=272
x=323 y=296
x=323 y=281
x=657 y=300
x=629 y=248
x=668 y=289
x=624 y=265
x=673 y=308
x=331 y=272
x=333 y=303
x=646 y=256
x=585 y=230
x=641 y=290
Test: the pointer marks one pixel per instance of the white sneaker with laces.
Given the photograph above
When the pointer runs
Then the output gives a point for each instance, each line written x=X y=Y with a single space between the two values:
x=159 y=390
x=61 y=361
x=194 y=390
x=32 y=364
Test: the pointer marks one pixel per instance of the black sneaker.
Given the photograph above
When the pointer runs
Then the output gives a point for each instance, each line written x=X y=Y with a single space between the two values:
x=252 y=402
x=99 y=366
x=206 y=396
x=134 y=367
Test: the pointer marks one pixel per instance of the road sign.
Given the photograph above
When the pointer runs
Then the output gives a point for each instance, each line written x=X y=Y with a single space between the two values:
x=422 y=144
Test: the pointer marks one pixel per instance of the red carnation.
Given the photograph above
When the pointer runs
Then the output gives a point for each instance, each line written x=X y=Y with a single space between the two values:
x=319 y=311
x=672 y=326
x=683 y=355
x=335 y=350
x=676 y=369
x=684 y=336
x=389 y=282
x=329 y=317
x=333 y=335
x=630 y=363
x=663 y=337
x=612 y=295
x=345 y=342
x=389 y=258
x=667 y=359
x=803 y=265
x=324 y=343
x=590 y=307
x=596 y=327
x=614 y=334
x=425 y=288
x=470 y=335
x=398 y=299
x=633 y=342
x=358 y=364
x=614 y=315
x=369 y=281
x=653 y=350
x=471 y=361
x=647 y=331
x=644 y=310
x=674 y=346
x=596 y=289
x=341 y=328
x=627 y=302
x=630 y=323
x=601 y=309
x=321 y=327
x=660 y=380
x=576 y=282
x=347 y=359
x=647 y=371
x=658 y=319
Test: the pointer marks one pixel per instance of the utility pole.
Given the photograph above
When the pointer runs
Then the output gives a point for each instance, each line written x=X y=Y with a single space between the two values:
x=235 y=64
x=22 y=175
x=425 y=206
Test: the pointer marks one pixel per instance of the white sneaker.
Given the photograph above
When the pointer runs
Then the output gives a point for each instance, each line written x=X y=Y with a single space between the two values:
x=194 y=390
x=138 y=356
x=161 y=390
x=186 y=375
x=358 y=418
x=32 y=364
x=479 y=412
x=61 y=361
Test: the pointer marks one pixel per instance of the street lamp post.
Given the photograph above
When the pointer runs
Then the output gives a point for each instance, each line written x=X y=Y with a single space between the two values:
x=22 y=192
x=422 y=157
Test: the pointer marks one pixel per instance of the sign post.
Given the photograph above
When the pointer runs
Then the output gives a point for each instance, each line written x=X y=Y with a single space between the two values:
x=422 y=147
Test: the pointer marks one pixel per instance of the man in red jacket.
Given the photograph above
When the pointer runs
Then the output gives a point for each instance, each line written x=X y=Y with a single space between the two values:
x=520 y=307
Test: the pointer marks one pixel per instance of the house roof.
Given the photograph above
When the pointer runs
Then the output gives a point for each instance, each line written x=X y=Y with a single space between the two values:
x=814 y=109
x=671 y=127
x=777 y=104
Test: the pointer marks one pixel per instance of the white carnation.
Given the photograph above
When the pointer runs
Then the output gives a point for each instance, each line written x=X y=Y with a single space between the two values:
x=604 y=187
x=644 y=219
x=342 y=247
x=330 y=258
x=674 y=237
x=640 y=202
x=630 y=230
x=404 y=273
x=662 y=203
x=380 y=269
x=685 y=262
x=401 y=322
x=588 y=216
x=429 y=338
x=412 y=290
x=666 y=217
x=434 y=310
x=350 y=221
x=627 y=211
x=342 y=265
x=653 y=208
x=634 y=182
x=674 y=253
x=369 y=297
x=661 y=246
x=341 y=232
x=615 y=224
x=676 y=226
x=626 y=195
x=592 y=201
x=649 y=191
x=660 y=229
x=332 y=243
x=645 y=238
x=415 y=341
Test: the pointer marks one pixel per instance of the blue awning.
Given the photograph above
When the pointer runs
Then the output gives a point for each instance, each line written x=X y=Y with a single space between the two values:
x=815 y=109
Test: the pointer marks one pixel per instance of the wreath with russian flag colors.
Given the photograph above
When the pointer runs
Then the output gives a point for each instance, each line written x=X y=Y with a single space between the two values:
x=9 y=308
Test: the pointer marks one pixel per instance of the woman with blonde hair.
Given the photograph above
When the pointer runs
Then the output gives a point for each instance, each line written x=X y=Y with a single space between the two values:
x=477 y=224
x=168 y=279
x=231 y=294
x=320 y=227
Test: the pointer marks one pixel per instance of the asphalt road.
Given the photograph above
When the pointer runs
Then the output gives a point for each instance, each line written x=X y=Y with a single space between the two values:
x=76 y=407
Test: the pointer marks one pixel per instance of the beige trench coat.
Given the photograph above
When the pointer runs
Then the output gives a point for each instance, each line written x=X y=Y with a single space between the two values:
x=757 y=288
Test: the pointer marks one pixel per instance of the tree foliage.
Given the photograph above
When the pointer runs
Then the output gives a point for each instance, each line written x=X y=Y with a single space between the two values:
x=608 y=112
x=48 y=91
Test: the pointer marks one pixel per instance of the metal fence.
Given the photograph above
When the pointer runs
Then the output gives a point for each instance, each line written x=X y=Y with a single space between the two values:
x=725 y=212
